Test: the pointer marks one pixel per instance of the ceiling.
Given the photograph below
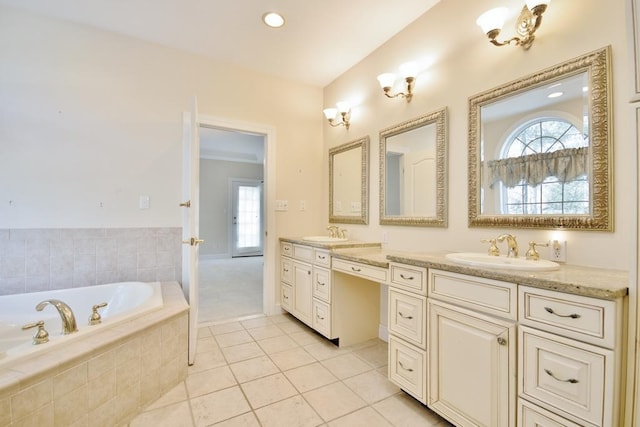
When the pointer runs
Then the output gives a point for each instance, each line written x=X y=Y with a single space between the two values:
x=320 y=40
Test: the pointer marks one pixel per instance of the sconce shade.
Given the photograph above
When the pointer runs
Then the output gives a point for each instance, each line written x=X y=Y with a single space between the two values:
x=494 y=19
x=409 y=69
x=330 y=113
x=386 y=80
x=343 y=107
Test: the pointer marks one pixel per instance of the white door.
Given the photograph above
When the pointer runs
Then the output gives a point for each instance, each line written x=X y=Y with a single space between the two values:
x=190 y=219
x=247 y=223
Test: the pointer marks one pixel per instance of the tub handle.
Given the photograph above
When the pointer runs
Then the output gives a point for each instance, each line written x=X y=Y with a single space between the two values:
x=95 y=317
x=41 y=336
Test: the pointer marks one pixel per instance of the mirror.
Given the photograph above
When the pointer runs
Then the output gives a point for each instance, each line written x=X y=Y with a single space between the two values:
x=413 y=184
x=539 y=149
x=349 y=182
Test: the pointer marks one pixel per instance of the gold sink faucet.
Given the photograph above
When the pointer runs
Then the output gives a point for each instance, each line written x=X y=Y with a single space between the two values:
x=66 y=314
x=333 y=230
x=512 y=245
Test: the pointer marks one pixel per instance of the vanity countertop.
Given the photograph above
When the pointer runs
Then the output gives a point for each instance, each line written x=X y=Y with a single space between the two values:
x=331 y=245
x=573 y=279
x=586 y=281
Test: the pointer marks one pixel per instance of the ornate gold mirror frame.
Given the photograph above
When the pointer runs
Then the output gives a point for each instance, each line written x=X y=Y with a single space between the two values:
x=596 y=65
x=437 y=178
x=357 y=175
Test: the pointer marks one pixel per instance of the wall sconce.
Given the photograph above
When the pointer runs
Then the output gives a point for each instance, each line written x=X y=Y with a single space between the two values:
x=528 y=22
x=409 y=72
x=345 y=113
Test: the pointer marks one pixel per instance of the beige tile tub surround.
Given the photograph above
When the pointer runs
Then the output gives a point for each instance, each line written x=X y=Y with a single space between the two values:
x=103 y=379
x=34 y=260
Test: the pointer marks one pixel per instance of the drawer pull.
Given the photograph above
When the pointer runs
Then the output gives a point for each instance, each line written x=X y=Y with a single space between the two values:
x=285 y=270
x=357 y=270
x=319 y=317
x=320 y=283
x=406 y=369
x=570 y=380
x=405 y=317
x=322 y=257
x=406 y=278
x=573 y=316
x=286 y=297
x=502 y=341
x=286 y=248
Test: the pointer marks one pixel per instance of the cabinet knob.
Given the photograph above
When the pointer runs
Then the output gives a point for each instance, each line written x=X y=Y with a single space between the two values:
x=502 y=341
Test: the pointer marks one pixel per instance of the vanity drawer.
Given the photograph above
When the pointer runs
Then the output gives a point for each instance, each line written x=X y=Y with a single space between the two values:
x=530 y=415
x=286 y=296
x=485 y=295
x=586 y=319
x=286 y=248
x=303 y=253
x=322 y=258
x=407 y=316
x=286 y=267
x=408 y=277
x=321 y=321
x=576 y=378
x=357 y=269
x=322 y=284
x=408 y=368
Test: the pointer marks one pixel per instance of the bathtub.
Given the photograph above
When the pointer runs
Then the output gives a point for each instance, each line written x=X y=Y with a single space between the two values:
x=103 y=375
x=124 y=301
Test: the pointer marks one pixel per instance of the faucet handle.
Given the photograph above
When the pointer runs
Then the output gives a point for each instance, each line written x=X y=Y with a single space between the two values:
x=41 y=336
x=95 y=317
x=493 y=249
x=342 y=233
x=532 y=253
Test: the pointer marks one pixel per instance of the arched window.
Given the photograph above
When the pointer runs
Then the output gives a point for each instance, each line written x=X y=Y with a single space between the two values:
x=543 y=169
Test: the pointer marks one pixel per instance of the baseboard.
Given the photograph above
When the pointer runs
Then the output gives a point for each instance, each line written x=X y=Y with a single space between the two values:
x=383 y=333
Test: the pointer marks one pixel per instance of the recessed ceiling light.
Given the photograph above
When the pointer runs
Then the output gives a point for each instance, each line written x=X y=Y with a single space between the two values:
x=555 y=94
x=273 y=19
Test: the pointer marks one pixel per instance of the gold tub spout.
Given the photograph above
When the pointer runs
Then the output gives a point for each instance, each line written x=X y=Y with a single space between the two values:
x=66 y=314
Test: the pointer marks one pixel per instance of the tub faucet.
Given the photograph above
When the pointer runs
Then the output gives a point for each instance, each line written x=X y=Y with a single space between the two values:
x=66 y=314
x=512 y=245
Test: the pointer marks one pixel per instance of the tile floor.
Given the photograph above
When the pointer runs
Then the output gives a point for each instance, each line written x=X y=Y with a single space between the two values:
x=275 y=371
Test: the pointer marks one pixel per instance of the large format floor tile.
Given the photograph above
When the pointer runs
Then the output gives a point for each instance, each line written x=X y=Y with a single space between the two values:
x=274 y=372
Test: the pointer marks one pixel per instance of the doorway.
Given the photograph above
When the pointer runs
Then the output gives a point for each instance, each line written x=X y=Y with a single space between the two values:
x=231 y=267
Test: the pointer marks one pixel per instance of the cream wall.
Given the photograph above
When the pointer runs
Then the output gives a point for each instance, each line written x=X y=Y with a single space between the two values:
x=88 y=116
x=463 y=63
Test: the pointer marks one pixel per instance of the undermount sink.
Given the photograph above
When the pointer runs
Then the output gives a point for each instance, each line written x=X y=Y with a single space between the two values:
x=485 y=260
x=324 y=239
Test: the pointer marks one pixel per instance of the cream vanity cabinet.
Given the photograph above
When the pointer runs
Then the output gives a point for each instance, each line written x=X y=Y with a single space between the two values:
x=305 y=283
x=472 y=349
x=407 y=326
x=569 y=359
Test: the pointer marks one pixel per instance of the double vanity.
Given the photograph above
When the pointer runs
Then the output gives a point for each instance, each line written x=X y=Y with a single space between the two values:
x=481 y=346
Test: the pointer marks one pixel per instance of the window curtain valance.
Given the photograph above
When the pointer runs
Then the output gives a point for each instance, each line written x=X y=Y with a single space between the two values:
x=566 y=165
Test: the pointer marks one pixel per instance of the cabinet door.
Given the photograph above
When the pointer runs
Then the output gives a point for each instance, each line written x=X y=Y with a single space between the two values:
x=471 y=366
x=302 y=291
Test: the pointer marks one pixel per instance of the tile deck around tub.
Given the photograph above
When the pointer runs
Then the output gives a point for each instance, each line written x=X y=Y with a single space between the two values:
x=275 y=371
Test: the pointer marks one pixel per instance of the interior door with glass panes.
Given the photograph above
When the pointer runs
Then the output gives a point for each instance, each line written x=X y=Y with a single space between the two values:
x=247 y=218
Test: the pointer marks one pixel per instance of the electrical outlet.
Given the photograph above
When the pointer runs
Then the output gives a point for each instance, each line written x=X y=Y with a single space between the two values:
x=558 y=250
x=385 y=237
x=303 y=205
x=282 y=205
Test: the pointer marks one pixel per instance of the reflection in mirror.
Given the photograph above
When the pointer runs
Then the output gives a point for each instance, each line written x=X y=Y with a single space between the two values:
x=412 y=172
x=539 y=149
x=349 y=182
